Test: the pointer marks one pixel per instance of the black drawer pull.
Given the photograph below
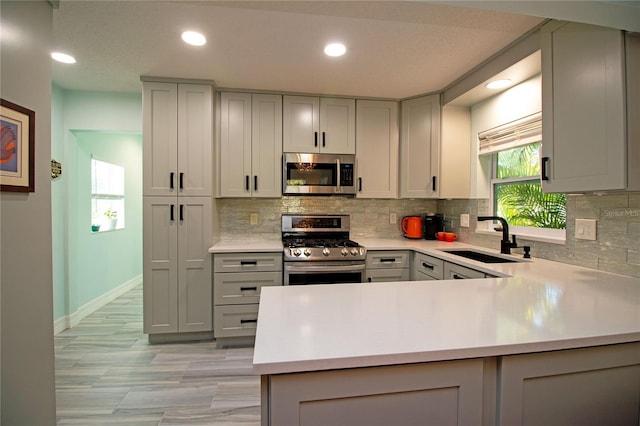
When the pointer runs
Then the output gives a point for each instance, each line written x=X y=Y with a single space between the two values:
x=388 y=260
x=324 y=139
x=248 y=288
x=543 y=166
x=426 y=265
x=248 y=321
x=359 y=184
x=255 y=182
x=246 y=182
x=433 y=183
x=248 y=262
x=315 y=138
x=181 y=180
x=458 y=277
x=171 y=215
x=181 y=212
x=171 y=180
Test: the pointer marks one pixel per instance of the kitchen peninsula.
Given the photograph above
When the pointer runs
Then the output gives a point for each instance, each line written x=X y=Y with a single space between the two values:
x=549 y=343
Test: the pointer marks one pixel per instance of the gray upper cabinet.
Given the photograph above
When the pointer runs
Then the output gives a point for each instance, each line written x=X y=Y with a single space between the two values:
x=312 y=124
x=420 y=147
x=590 y=109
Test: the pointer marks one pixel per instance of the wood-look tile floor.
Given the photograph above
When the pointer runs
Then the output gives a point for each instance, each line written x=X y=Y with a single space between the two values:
x=107 y=373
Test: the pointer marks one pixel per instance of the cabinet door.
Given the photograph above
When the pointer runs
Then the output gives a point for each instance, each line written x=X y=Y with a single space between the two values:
x=160 y=133
x=194 y=269
x=427 y=267
x=195 y=139
x=583 y=124
x=235 y=144
x=301 y=118
x=337 y=126
x=377 y=149
x=387 y=275
x=383 y=259
x=420 y=147
x=160 y=265
x=457 y=272
x=266 y=146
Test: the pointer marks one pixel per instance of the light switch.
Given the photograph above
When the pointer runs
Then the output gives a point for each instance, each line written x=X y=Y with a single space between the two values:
x=585 y=229
x=393 y=218
x=253 y=218
x=464 y=220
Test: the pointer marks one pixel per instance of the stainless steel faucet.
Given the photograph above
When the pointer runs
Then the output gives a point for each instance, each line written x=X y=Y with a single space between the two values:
x=505 y=244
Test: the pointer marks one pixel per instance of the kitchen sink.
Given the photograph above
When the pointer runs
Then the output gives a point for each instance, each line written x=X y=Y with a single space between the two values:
x=480 y=256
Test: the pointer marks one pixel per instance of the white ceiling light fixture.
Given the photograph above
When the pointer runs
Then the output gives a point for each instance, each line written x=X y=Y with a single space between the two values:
x=335 y=49
x=194 y=38
x=63 y=57
x=499 y=84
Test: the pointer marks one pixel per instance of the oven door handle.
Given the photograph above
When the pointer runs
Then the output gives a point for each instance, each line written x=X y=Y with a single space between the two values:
x=324 y=268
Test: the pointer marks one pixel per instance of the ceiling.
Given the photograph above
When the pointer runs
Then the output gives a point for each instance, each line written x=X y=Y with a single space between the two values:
x=396 y=49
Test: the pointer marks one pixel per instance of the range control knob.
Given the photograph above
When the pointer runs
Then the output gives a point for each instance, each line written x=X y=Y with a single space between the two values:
x=296 y=252
x=307 y=252
x=344 y=252
x=326 y=251
x=354 y=252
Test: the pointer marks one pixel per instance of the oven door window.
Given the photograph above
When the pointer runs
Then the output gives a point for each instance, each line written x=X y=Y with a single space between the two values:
x=348 y=277
x=306 y=174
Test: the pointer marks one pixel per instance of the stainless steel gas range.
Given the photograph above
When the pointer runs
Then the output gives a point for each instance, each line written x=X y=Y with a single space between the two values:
x=317 y=250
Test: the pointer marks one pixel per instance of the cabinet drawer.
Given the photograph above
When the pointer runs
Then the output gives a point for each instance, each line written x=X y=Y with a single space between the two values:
x=242 y=287
x=235 y=320
x=388 y=259
x=386 y=275
x=247 y=262
x=427 y=265
x=457 y=272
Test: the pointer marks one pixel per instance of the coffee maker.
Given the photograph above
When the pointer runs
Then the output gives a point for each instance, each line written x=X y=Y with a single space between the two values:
x=432 y=223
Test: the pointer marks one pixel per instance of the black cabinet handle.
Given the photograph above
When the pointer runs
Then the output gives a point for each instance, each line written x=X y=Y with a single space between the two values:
x=543 y=168
x=246 y=182
x=457 y=277
x=248 y=288
x=315 y=138
x=171 y=180
x=246 y=321
x=171 y=214
x=369 y=279
x=433 y=183
x=255 y=182
x=359 y=184
x=324 y=137
x=426 y=265
x=248 y=262
x=181 y=212
x=181 y=180
x=388 y=260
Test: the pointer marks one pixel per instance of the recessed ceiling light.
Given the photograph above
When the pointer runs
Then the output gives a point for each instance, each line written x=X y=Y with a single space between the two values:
x=498 y=84
x=335 y=49
x=193 y=38
x=63 y=57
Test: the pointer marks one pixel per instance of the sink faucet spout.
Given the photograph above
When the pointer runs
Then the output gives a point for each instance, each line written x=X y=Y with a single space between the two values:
x=505 y=244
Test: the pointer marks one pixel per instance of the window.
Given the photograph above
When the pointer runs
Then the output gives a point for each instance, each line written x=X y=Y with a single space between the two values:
x=107 y=196
x=517 y=195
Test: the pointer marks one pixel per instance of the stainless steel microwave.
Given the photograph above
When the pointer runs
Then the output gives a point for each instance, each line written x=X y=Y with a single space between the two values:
x=318 y=174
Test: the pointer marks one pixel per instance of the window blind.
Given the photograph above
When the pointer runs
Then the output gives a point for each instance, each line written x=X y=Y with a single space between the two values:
x=517 y=133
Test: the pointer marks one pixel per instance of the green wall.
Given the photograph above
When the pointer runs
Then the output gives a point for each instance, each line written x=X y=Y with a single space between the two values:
x=88 y=265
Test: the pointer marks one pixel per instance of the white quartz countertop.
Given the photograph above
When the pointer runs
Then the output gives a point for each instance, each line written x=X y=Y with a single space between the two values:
x=246 y=246
x=539 y=305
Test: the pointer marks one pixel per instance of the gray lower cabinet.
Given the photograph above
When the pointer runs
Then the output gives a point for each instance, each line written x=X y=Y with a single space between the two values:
x=439 y=393
x=426 y=267
x=592 y=386
x=457 y=272
x=237 y=281
x=388 y=265
x=585 y=386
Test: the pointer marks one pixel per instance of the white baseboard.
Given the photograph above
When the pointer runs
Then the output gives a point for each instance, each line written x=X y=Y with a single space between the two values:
x=73 y=319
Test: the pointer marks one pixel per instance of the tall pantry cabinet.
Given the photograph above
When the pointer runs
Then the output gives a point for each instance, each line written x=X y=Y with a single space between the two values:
x=177 y=207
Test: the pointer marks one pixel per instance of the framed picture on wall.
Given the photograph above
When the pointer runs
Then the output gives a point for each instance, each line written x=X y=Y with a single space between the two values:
x=17 y=145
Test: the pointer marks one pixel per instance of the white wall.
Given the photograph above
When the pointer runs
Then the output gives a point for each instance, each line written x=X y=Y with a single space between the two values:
x=28 y=386
x=517 y=102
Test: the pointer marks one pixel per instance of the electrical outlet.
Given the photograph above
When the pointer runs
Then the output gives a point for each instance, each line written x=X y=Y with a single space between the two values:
x=393 y=218
x=253 y=218
x=586 y=229
x=464 y=220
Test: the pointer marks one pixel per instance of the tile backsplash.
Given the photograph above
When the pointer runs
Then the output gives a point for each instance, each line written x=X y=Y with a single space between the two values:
x=617 y=248
x=369 y=218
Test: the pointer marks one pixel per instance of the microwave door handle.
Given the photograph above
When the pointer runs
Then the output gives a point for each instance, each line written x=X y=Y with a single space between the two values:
x=339 y=175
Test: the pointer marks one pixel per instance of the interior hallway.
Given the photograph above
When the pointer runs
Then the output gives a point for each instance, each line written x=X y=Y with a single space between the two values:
x=107 y=374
